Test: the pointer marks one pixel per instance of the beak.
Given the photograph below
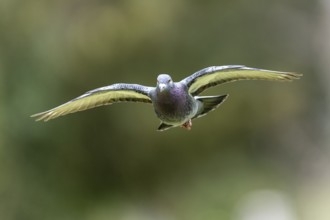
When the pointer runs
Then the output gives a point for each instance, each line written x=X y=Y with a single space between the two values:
x=162 y=87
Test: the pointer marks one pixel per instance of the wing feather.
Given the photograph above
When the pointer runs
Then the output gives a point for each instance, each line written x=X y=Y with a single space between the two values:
x=215 y=75
x=102 y=96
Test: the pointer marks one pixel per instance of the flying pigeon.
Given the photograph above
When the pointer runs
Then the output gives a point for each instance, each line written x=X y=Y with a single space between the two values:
x=175 y=103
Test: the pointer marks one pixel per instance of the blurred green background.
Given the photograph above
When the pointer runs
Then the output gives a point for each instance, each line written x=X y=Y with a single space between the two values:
x=263 y=155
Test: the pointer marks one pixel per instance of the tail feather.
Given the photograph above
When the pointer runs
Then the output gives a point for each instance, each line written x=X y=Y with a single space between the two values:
x=163 y=127
x=209 y=103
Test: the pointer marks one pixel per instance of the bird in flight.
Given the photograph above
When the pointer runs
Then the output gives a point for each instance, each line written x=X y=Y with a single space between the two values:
x=175 y=103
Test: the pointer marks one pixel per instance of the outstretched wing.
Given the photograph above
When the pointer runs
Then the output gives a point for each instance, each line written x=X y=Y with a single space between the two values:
x=102 y=96
x=215 y=75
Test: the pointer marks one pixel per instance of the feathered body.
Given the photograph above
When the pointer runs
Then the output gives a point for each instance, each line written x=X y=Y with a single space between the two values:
x=174 y=106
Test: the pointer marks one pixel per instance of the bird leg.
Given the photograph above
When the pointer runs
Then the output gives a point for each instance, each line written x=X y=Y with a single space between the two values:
x=187 y=125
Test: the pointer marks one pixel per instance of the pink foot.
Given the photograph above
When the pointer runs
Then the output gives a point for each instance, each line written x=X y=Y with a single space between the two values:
x=187 y=125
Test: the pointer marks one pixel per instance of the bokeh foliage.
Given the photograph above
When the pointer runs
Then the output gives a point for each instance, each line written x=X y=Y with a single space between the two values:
x=110 y=163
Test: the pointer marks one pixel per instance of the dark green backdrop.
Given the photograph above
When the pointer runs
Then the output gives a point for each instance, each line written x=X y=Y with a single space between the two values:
x=266 y=143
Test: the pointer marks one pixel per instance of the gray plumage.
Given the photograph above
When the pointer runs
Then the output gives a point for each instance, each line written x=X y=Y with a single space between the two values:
x=175 y=103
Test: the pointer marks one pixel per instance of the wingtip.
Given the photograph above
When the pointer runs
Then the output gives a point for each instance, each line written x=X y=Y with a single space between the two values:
x=290 y=76
x=298 y=75
x=37 y=116
x=42 y=116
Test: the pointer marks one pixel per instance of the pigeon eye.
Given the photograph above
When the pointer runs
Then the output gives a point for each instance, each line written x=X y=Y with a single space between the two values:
x=168 y=81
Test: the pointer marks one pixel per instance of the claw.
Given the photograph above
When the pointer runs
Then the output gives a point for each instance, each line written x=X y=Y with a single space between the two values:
x=187 y=125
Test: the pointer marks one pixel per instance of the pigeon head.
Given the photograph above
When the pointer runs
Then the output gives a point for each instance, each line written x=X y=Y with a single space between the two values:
x=164 y=83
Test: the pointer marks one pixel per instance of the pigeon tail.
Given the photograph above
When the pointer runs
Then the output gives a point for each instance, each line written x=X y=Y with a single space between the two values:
x=163 y=127
x=209 y=103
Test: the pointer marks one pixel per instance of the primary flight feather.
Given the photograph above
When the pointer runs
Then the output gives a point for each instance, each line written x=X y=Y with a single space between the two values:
x=175 y=103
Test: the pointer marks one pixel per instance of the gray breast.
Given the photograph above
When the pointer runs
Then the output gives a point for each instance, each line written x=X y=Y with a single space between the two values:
x=175 y=106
